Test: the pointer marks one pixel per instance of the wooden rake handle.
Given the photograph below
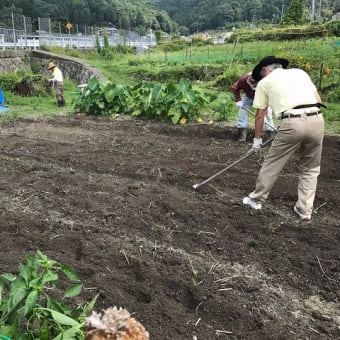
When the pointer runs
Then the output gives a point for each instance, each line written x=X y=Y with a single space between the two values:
x=249 y=153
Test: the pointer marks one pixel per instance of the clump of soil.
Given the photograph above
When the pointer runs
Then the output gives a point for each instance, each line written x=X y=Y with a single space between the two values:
x=114 y=200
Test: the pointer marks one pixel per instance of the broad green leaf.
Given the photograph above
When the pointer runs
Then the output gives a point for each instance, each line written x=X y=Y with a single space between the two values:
x=73 y=290
x=64 y=319
x=7 y=277
x=103 y=84
x=110 y=93
x=35 y=284
x=58 y=306
x=93 y=84
x=175 y=116
x=191 y=97
x=50 y=264
x=16 y=298
x=41 y=256
x=25 y=272
x=18 y=283
x=49 y=277
x=71 y=333
x=185 y=107
x=31 y=301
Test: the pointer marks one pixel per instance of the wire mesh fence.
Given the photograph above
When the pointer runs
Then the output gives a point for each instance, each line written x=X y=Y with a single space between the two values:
x=22 y=32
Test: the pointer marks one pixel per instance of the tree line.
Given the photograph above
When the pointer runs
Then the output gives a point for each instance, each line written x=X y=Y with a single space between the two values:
x=139 y=15
x=175 y=16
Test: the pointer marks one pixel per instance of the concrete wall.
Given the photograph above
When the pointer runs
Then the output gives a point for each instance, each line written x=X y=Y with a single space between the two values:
x=12 y=61
x=72 y=68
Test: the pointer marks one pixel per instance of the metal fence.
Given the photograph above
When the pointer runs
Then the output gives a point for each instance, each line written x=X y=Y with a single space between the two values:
x=21 y=32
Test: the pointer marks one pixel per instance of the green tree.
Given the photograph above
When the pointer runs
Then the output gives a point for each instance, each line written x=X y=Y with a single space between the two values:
x=295 y=13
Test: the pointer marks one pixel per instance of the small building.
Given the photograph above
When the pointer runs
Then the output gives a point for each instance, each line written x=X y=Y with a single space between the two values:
x=336 y=16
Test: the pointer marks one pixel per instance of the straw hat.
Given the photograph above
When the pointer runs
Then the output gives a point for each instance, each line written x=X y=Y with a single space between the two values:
x=51 y=65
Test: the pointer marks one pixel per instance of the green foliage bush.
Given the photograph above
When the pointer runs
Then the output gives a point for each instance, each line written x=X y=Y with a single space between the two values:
x=174 y=71
x=40 y=87
x=103 y=98
x=333 y=96
x=168 y=101
x=274 y=34
x=230 y=75
x=333 y=27
x=175 y=44
x=8 y=81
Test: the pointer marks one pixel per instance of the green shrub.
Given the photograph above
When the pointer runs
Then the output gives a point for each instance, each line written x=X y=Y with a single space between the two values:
x=229 y=77
x=168 y=101
x=8 y=81
x=286 y=33
x=333 y=27
x=175 y=44
x=35 y=85
x=223 y=106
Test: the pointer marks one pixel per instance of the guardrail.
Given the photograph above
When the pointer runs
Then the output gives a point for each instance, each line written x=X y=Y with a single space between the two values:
x=21 y=41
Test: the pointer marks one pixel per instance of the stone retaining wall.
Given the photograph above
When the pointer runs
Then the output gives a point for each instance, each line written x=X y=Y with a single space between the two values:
x=12 y=61
x=72 y=68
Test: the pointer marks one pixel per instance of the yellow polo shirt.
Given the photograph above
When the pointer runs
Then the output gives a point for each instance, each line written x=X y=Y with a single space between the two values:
x=283 y=89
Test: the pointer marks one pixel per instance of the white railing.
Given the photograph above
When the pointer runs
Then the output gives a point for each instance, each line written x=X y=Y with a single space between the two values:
x=22 y=41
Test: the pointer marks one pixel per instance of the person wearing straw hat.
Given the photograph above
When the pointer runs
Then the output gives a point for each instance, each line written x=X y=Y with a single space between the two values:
x=244 y=91
x=58 y=83
x=294 y=98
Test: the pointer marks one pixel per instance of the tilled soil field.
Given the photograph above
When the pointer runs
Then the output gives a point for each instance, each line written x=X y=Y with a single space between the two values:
x=114 y=199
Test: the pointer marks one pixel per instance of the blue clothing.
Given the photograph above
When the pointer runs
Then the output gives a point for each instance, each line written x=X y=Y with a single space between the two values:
x=2 y=97
x=242 y=119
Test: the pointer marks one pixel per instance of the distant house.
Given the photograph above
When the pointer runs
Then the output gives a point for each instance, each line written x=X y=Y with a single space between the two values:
x=336 y=16
x=111 y=31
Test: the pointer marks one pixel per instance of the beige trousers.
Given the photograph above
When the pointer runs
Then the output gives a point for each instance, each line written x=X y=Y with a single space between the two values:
x=305 y=135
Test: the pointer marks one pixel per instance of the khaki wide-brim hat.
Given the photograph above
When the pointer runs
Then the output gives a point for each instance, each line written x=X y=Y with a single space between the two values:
x=51 y=65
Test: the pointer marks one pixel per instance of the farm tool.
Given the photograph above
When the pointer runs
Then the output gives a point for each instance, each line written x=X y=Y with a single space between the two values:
x=249 y=153
x=266 y=123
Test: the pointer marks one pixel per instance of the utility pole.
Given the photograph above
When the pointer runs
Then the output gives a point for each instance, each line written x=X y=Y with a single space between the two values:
x=312 y=18
x=283 y=6
x=320 y=5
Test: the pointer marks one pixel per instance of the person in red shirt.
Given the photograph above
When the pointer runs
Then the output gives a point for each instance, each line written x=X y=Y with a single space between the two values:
x=244 y=93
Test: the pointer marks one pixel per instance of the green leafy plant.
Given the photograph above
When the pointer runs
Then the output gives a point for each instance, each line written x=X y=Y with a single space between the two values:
x=187 y=102
x=150 y=100
x=103 y=98
x=165 y=101
x=29 y=311
x=223 y=105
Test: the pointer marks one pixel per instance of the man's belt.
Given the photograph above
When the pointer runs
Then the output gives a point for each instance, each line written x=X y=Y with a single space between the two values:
x=305 y=106
x=298 y=115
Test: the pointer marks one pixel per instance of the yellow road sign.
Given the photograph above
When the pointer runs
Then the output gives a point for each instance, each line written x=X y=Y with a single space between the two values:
x=69 y=26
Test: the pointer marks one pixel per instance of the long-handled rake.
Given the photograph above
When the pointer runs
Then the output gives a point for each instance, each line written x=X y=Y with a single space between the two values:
x=249 y=153
x=266 y=123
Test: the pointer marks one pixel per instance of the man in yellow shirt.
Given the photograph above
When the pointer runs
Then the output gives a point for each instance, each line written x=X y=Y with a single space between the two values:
x=294 y=98
x=58 y=83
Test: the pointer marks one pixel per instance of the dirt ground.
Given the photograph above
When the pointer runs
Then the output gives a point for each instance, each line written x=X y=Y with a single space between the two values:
x=114 y=199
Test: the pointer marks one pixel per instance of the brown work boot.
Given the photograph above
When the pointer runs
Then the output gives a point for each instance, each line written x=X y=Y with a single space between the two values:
x=268 y=135
x=242 y=134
